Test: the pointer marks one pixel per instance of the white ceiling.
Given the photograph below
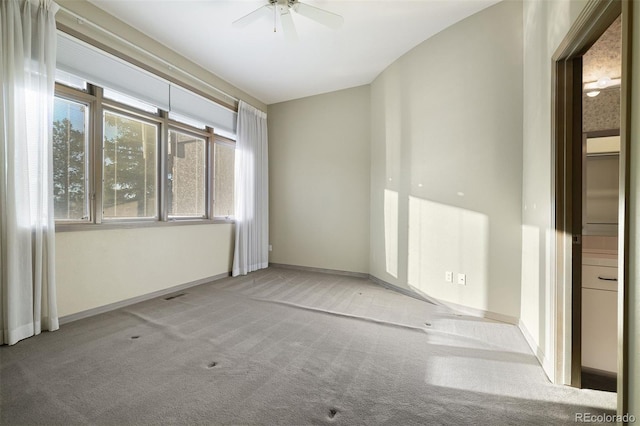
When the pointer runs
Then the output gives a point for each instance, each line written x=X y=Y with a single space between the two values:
x=272 y=69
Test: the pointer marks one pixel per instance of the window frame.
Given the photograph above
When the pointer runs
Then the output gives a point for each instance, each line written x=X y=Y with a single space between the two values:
x=145 y=117
x=85 y=97
x=97 y=104
x=208 y=136
x=222 y=140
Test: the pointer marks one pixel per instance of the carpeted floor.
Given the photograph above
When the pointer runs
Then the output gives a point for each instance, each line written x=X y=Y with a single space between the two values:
x=284 y=347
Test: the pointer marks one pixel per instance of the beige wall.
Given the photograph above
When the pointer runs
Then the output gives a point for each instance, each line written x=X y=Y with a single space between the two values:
x=100 y=267
x=319 y=181
x=545 y=26
x=446 y=164
x=634 y=230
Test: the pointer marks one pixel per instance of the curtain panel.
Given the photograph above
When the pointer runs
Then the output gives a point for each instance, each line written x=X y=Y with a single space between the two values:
x=251 y=192
x=27 y=258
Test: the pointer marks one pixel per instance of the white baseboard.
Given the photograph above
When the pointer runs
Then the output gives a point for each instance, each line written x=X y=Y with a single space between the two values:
x=547 y=365
x=404 y=291
x=363 y=275
x=320 y=270
x=454 y=306
x=121 y=304
x=481 y=313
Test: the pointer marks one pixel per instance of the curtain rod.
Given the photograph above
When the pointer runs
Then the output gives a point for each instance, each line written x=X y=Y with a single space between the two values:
x=82 y=20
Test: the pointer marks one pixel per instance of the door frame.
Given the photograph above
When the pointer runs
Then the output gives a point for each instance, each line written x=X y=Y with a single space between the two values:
x=595 y=18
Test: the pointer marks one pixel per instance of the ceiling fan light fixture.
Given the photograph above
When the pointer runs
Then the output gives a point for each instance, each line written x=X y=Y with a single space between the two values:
x=604 y=82
x=284 y=7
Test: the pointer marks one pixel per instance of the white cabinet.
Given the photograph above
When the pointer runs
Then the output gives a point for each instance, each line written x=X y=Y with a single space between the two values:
x=599 y=314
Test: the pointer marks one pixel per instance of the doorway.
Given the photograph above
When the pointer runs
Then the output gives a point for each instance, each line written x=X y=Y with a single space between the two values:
x=601 y=80
x=571 y=201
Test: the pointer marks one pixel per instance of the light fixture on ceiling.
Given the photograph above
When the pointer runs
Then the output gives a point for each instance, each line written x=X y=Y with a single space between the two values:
x=604 y=82
x=283 y=7
x=593 y=88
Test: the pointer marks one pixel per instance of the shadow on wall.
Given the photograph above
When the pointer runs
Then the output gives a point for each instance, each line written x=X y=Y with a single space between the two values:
x=391 y=231
x=441 y=239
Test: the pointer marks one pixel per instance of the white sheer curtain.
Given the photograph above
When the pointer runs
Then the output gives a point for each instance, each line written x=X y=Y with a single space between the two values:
x=251 y=192
x=27 y=72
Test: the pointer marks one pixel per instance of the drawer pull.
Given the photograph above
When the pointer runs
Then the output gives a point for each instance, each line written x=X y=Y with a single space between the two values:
x=607 y=279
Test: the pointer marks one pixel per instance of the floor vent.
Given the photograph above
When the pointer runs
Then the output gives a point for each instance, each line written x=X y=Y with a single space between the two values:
x=174 y=296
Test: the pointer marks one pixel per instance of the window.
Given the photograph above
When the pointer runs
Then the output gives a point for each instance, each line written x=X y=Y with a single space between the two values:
x=70 y=160
x=187 y=175
x=110 y=164
x=224 y=156
x=129 y=167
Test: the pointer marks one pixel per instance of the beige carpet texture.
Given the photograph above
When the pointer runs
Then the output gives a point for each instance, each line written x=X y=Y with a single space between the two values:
x=284 y=347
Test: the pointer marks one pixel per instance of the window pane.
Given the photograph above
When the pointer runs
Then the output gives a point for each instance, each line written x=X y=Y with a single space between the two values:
x=70 y=184
x=129 y=167
x=224 y=180
x=70 y=142
x=187 y=175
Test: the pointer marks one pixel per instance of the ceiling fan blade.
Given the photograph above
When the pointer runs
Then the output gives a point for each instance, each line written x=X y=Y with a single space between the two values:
x=262 y=11
x=288 y=28
x=321 y=16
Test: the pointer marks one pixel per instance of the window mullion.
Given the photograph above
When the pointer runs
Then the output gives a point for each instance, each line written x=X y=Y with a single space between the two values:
x=98 y=157
x=210 y=172
x=163 y=158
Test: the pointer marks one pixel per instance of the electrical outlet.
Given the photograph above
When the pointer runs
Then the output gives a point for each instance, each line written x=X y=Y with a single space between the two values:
x=462 y=279
x=448 y=276
x=270 y=247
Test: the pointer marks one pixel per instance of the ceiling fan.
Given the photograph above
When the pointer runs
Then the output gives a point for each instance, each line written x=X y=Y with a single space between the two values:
x=284 y=8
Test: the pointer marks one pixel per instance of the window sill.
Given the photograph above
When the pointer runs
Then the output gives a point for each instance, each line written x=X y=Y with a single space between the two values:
x=72 y=227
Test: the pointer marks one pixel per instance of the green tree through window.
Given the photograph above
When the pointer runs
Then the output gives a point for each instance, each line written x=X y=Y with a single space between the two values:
x=129 y=167
x=69 y=160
